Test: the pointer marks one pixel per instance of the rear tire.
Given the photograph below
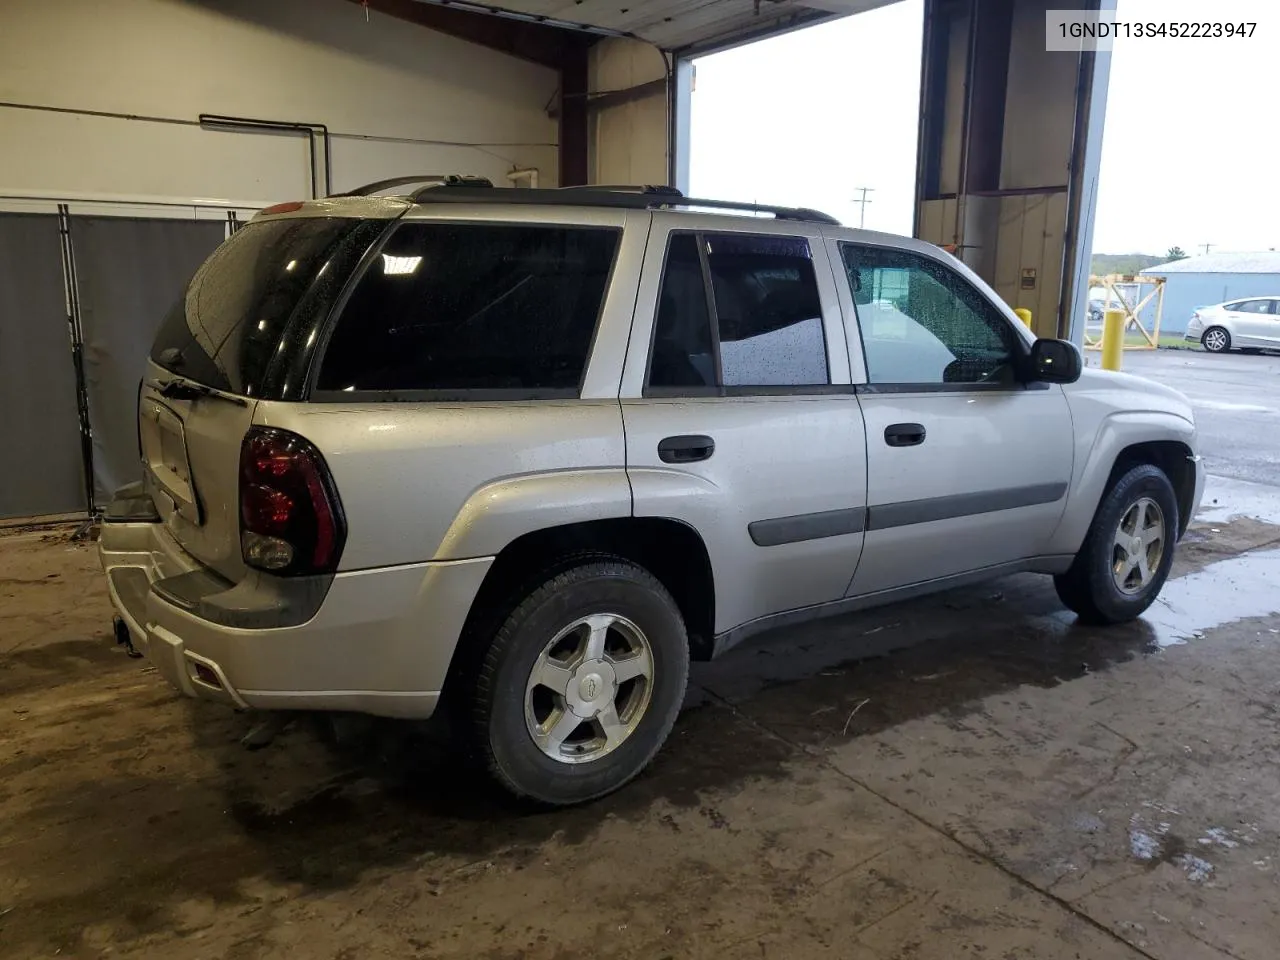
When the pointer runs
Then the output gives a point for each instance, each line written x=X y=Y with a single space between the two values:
x=602 y=641
x=1127 y=554
x=1216 y=340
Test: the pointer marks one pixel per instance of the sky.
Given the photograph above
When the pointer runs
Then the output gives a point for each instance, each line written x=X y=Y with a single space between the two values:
x=1190 y=152
x=807 y=118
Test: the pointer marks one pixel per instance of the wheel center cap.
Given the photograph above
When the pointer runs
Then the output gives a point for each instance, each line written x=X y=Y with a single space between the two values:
x=1135 y=546
x=590 y=687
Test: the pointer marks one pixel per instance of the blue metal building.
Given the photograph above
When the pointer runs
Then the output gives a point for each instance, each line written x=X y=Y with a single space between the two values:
x=1213 y=278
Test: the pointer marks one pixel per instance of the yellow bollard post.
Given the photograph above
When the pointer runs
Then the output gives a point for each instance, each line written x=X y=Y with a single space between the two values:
x=1112 y=339
x=1025 y=316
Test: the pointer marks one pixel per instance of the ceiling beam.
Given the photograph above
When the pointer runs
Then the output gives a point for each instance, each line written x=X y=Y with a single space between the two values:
x=535 y=42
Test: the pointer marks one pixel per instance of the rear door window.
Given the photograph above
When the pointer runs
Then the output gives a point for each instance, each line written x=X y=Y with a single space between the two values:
x=471 y=309
x=757 y=326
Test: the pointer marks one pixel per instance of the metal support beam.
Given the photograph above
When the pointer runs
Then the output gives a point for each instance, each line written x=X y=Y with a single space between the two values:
x=680 y=124
x=1086 y=163
x=613 y=98
x=575 y=131
x=992 y=23
x=534 y=42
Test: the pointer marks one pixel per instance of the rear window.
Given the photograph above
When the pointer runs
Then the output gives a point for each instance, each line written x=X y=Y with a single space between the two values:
x=233 y=321
x=460 y=308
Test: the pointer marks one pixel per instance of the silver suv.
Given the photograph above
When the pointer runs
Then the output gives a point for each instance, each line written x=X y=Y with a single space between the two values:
x=527 y=452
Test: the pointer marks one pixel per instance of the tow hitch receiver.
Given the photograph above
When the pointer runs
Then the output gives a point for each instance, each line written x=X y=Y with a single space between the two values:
x=121 y=630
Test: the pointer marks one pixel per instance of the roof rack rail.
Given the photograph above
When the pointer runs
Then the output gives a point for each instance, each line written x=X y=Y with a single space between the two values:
x=781 y=213
x=647 y=188
x=624 y=197
x=430 y=179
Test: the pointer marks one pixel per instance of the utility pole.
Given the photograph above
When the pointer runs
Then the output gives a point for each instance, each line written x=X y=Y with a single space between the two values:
x=1206 y=247
x=862 y=201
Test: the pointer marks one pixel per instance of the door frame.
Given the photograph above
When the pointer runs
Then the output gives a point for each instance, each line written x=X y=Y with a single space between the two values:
x=683 y=494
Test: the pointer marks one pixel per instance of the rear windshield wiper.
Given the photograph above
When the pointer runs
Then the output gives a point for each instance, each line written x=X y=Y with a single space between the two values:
x=180 y=389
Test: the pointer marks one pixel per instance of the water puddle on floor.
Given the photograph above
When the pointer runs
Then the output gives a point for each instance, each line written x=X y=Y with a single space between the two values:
x=1221 y=593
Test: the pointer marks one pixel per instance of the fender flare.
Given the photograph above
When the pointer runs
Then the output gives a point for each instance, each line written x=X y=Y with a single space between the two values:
x=1117 y=432
x=498 y=513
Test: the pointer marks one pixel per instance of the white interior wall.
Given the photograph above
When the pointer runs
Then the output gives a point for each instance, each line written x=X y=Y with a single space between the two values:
x=628 y=140
x=397 y=98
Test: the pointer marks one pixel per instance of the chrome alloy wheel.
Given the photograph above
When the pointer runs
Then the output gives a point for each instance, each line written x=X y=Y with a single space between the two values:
x=1215 y=340
x=1139 y=546
x=589 y=688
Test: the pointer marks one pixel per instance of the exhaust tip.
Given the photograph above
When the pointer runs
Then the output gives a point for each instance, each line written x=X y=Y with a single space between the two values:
x=205 y=675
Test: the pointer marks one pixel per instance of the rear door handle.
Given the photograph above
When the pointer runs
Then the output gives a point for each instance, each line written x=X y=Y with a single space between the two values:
x=686 y=449
x=904 y=434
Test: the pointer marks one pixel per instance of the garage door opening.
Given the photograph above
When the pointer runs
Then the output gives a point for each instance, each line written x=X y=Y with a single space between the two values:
x=1190 y=139
x=825 y=117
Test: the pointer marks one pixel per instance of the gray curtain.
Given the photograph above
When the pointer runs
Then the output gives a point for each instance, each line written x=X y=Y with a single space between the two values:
x=40 y=458
x=130 y=273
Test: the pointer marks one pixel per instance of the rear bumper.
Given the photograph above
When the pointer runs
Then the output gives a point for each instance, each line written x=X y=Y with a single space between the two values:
x=379 y=641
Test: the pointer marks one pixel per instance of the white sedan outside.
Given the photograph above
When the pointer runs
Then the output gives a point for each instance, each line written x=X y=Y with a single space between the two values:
x=1252 y=324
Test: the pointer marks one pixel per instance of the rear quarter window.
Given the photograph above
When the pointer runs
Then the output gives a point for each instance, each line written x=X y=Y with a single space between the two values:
x=473 y=309
x=233 y=322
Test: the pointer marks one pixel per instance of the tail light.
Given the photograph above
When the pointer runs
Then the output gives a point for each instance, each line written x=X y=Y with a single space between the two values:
x=289 y=207
x=291 y=520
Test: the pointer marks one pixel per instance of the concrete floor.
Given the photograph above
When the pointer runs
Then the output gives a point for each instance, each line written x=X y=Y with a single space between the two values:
x=970 y=775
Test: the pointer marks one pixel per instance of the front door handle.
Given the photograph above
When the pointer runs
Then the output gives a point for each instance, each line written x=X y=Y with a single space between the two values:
x=686 y=449
x=904 y=434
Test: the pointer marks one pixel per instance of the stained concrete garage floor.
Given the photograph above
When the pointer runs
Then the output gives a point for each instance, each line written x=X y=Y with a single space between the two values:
x=966 y=776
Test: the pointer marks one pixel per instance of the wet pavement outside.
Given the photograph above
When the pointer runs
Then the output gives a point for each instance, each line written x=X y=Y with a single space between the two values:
x=1236 y=398
x=969 y=775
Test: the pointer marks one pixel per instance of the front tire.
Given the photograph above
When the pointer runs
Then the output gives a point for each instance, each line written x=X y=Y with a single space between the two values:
x=1216 y=340
x=581 y=684
x=1127 y=554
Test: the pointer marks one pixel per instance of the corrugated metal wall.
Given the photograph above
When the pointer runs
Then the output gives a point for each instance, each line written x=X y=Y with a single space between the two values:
x=130 y=271
x=1184 y=292
x=80 y=301
x=40 y=444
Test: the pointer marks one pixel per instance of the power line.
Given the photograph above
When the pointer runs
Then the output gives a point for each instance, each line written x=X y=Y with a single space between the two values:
x=862 y=202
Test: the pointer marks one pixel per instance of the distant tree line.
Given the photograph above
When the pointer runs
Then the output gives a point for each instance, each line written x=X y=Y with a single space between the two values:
x=1127 y=264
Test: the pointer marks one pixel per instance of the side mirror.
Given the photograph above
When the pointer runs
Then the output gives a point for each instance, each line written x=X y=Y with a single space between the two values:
x=1055 y=361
